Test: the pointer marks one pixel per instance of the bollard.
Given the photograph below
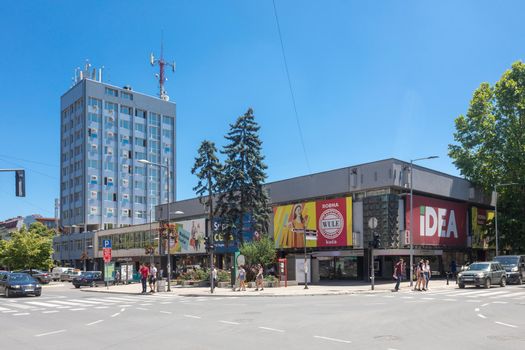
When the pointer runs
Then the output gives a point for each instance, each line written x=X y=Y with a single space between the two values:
x=372 y=278
x=448 y=277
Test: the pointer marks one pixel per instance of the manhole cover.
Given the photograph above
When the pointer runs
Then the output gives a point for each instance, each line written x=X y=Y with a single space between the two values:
x=386 y=337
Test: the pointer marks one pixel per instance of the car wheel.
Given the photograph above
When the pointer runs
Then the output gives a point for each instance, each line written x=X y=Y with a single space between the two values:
x=7 y=294
x=487 y=283
x=93 y=284
x=461 y=285
x=37 y=294
x=503 y=282
x=77 y=286
x=520 y=280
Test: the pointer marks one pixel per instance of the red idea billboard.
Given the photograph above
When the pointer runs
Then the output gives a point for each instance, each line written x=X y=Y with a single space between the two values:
x=437 y=222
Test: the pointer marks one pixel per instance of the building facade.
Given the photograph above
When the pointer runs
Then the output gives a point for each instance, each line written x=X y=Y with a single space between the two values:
x=104 y=131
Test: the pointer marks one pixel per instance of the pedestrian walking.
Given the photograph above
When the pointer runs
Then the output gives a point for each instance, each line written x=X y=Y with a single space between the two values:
x=241 y=276
x=144 y=273
x=398 y=273
x=214 y=277
x=453 y=268
x=428 y=273
x=117 y=277
x=420 y=276
x=259 y=279
x=152 y=278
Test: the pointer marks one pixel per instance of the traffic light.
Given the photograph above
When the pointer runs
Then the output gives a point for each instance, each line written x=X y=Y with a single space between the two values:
x=20 y=183
x=207 y=244
x=377 y=241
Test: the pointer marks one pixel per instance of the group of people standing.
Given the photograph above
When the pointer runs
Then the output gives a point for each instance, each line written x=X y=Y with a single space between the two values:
x=421 y=270
x=148 y=273
x=259 y=278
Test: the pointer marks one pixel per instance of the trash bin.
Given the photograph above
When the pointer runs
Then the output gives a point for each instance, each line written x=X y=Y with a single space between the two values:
x=161 y=286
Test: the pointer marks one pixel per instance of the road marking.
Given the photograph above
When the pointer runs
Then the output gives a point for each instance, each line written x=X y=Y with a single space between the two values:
x=77 y=309
x=272 y=329
x=122 y=310
x=42 y=304
x=21 y=306
x=499 y=302
x=22 y=314
x=67 y=303
x=476 y=309
x=473 y=301
x=506 y=324
x=101 y=307
x=482 y=316
x=192 y=316
x=50 y=333
x=114 y=315
x=166 y=312
x=449 y=299
x=485 y=304
x=126 y=305
x=166 y=302
x=9 y=311
x=229 y=322
x=85 y=301
x=50 y=312
x=141 y=308
x=92 y=323
x=428 y=298
x=407 y=297
x=332 y=339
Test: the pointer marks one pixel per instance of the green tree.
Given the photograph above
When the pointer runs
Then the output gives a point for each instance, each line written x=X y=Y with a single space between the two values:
x=243 y=176
x=490 y=149
x=28 y=249
x=208 y=169
x=261 y=251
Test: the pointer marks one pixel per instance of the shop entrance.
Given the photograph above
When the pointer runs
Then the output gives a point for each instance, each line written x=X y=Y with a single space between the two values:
x=340 y=268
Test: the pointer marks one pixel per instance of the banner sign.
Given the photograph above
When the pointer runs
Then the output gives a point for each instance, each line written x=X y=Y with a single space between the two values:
x=230 y=243
x=106 y=254
x=438 y=222
x=189 y=237
x=481 y=220
x=326 y=223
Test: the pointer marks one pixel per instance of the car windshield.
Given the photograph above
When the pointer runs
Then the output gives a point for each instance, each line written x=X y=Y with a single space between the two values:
x=478 y=267
x=21 y=278
x=88 y=274
x=507 y=260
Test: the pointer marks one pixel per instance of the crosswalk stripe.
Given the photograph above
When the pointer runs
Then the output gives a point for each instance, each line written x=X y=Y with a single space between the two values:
x=42 y=304
x=66 y=303
x=3 y=309
x=487 y=294
x=21 y=306
x=86 y=301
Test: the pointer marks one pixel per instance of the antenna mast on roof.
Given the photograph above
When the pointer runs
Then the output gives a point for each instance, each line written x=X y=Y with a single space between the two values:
x=160 y=61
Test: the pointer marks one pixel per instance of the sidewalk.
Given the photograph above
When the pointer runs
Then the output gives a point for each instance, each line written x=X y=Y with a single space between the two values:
x=327 y=288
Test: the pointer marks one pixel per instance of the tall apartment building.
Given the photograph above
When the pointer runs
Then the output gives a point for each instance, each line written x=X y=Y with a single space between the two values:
x=104 y=131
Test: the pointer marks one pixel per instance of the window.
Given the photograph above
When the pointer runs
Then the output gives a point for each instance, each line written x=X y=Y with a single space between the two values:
x=154 y=132
x=139 y=185
x=167 y=120
x=140 y=199
x=140 y=113
x=108 y=181
x=111 y=92
x=125 y=182
x=139 y=141
x=94 y=194
x=93 y=180
x=93 y=163
x=166 y=134
x=140 y=170
x=110 y=166
x=108 y=150
x=109 y=212
x=140 y=214
x=92 y=132
x=125 y=154
x=126 y=95
x=154 y=145
x=126 y=212
x=124 y=124
x=93 y=117
x=140 y=155
x=154 y=118
x=124 y=139
x=126 y=110
x=94 y=102
x=140 y=127
x=111 y=107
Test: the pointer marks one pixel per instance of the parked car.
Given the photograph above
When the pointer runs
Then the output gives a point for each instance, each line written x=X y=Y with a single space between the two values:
x=14 y=283
x=89 y=278
x=57 y=271
x=514 y=265
x=483 y=274
x=42 y=276
x=68 y=276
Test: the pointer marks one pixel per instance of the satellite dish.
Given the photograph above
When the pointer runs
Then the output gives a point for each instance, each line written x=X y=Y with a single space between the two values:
x=151 y=59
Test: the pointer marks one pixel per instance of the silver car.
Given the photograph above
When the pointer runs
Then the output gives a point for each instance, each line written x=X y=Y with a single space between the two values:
x=483 y=274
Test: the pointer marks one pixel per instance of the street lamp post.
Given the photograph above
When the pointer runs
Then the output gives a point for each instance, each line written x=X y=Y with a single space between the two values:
x=412 y=216
x=167 y=166
x=496 y=211
x=305 y=264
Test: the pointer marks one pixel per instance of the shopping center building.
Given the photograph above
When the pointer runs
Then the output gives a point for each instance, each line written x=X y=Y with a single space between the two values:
x=339 y=214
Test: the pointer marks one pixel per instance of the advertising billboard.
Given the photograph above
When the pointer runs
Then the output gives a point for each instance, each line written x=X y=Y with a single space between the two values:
x=438 y=222
x=230 y=244
x=326 y=223
x=189 y=237
x=481 y=220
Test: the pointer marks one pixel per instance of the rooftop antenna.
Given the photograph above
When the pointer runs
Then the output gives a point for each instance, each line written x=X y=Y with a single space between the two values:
x=160 y=76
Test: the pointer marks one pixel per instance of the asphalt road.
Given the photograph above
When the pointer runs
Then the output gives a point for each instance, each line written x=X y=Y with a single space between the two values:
x=65 y=318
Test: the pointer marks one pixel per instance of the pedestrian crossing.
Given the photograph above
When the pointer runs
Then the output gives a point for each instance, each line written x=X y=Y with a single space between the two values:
x=515 y=293
x=56 y=304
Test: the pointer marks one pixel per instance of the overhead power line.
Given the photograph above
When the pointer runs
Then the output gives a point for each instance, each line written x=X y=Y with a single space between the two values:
x=290 y=87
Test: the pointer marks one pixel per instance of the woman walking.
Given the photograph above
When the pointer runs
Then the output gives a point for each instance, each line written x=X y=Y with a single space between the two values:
x=259 y=278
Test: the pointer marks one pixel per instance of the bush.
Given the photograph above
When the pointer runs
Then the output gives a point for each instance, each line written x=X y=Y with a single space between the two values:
x=223 y=276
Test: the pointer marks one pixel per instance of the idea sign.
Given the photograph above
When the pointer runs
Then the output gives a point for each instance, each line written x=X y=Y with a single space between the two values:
x=438 y=222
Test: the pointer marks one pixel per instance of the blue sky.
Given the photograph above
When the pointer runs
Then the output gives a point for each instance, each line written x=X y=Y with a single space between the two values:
x=372 y=80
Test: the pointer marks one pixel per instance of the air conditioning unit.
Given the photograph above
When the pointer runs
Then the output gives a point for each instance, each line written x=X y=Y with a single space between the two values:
x=125 y=212
x=93 y=210
x=125 y=196
x=125 y=154
x=94 y=194
x=94 y=147
x=110 y=134
x=110 y=180
x=110 y=118
x=93 y=179
x=110 y=210
x=125 y=182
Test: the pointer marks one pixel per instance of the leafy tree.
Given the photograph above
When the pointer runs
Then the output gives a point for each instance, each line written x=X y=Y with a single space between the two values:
x=242 y=179
x=28 y=249
x=261 y=251
x=490 y=149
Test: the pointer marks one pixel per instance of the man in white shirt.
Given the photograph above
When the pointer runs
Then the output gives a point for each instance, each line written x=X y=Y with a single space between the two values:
x=152 y=278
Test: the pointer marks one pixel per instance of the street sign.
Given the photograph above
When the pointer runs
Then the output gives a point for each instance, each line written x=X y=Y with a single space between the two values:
x=106 y=254
x=106 y=243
